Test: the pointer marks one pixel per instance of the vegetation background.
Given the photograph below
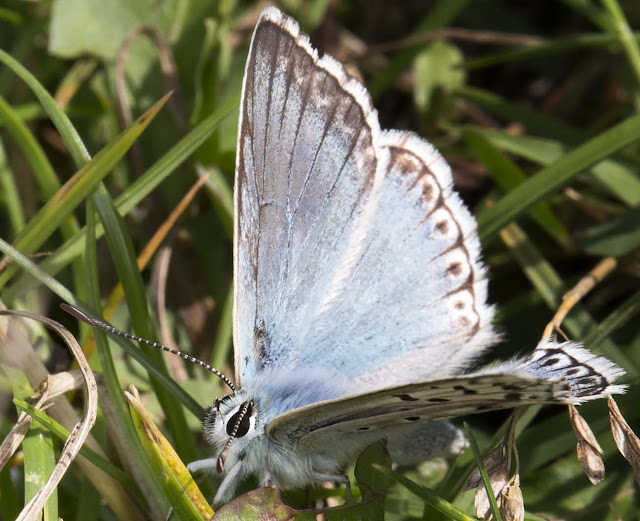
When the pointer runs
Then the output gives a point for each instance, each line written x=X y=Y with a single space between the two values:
x=534 y=104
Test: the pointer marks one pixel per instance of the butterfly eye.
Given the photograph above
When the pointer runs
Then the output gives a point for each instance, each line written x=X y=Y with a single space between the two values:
x=243 y=428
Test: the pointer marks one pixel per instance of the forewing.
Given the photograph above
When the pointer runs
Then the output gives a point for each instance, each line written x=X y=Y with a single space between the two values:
x=306 y=165
x=353 y=252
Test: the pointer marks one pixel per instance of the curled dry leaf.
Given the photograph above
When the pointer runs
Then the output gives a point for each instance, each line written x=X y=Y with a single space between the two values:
x=591 y=462
x=79 y=432
x=582 y=430
x=13 y=440
x=60 y=383
x=510 y=501
x=498 y=477
x=626 y=440
x=588 y=449
x=492 y=461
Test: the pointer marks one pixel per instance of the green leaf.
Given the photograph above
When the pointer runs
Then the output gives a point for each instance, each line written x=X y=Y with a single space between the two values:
x=436 y=67
x=263 y=504
x=442 y=14
x=369 y=478
x=76 y=30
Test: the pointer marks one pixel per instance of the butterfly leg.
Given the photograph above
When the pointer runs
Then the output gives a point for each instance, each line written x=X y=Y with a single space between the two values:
x=202 y=465
x=228 y=484
x=341 y=479
x=267 y=479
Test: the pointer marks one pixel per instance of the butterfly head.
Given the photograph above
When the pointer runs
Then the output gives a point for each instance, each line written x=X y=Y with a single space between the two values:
x=231 y=421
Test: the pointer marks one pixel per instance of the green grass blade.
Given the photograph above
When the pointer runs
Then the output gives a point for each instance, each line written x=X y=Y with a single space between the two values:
x=543 y=49
x=59 y=289
x=222 y=345
x=9 y=502
x=620 y=27
x=509 y=176
x=58 y=117
x=549 y=179
x=30 y=148
x=39 y=457
x=157 y=502
x=483 y=471
x=11 y=195
x=428 y=496
x=62 y=434
x=126 y=264
x=34 y=271
x=131 y=197
x=551 y=288
x=617 y=177
x=171 y=473
x=74 y=191
x=616 y=237
x=623 y=313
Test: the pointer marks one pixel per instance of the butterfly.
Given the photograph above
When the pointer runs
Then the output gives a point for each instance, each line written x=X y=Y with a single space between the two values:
x=360 y=297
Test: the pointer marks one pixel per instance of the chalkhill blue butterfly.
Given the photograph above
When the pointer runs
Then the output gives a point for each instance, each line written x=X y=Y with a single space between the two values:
x=360 y=297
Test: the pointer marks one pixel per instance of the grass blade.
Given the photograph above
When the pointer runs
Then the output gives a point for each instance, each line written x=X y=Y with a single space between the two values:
x=549 y=179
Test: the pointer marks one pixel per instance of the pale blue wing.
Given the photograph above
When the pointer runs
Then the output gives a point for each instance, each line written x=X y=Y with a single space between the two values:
x=353 y=252
x=411 y=304
x=306 y=165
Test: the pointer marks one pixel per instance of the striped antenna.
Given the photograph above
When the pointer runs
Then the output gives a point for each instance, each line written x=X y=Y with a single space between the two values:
x=223 y=455
x=94 y=322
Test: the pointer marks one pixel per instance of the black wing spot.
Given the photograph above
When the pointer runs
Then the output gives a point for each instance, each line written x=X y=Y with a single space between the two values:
x=455 y=269
x=551 y=361
x=470 y=391
x=406 y=397
x=483 y=407
x=412 y=418
x=510 y=387
x=438 y=400
x=363 y=428
x=442 y=227
x=516 y=397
